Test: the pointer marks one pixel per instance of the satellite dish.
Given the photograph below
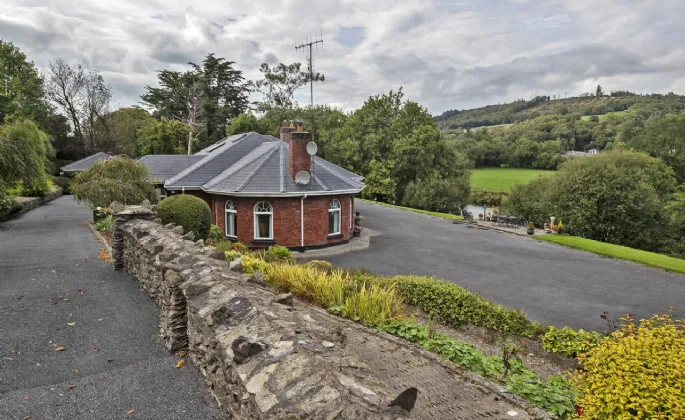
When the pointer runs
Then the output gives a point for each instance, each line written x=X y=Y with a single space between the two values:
x=312 y=148
x=302 y=177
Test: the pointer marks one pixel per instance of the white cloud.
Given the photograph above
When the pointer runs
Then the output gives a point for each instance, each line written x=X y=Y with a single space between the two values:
x=446 y=53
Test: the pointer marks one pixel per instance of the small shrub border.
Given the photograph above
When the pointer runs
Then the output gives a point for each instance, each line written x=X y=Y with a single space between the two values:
x=453 y=305
x=188 y=211
x=570 y=342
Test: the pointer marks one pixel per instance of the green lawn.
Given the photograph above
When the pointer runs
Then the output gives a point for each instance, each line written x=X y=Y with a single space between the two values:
x=430 y=213
x=616 y=251
x=503 y=179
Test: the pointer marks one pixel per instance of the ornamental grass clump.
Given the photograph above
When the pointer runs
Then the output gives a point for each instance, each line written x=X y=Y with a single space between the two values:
x=334 y=290
x=638 y=373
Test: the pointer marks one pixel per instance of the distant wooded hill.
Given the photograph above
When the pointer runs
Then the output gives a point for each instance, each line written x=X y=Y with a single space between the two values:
x=585 y=105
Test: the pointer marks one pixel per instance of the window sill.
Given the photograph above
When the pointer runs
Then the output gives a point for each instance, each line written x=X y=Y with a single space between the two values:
x=263 y=241
x=232 y=238
x=335 y=236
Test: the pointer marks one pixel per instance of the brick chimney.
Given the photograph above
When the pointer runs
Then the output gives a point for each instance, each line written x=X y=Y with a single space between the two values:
x=298 y=158
x=286 y=129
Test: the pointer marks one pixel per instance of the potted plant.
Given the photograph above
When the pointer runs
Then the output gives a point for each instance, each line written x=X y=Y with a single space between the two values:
x=357 y=230
x=531 y=228
x=488 y=216
x=480 y=217
x=555 y=228
x=560 y=227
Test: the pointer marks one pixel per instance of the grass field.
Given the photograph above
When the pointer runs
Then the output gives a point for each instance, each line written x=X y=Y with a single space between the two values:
x=621 y=252
x=429 y=213
x=503 y=179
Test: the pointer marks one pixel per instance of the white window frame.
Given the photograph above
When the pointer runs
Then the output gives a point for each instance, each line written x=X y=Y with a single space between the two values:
x=261 y=210
x=230 y=209
x=333 y=209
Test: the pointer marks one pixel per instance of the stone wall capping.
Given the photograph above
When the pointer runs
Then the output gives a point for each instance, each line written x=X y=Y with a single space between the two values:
x=266 y=355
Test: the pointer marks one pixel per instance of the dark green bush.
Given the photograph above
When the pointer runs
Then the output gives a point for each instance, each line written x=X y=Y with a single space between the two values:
x=454 y=305
x=37 y=188
x=188 y=211
x=63 y=182
x=216 y=234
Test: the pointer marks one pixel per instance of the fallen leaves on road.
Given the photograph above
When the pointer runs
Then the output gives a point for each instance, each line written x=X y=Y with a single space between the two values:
x=131 y=411
x=182 y=353
x=110 y=360
x=72 y=386
x=104 y=255
x=26 y=397
x=75 y=370
x=180 y=364
x=20 y=297
x=56 y=348
x=71 y=324
x=95 y=349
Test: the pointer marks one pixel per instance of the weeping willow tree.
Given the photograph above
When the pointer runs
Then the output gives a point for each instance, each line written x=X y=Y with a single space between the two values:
x=117 y=179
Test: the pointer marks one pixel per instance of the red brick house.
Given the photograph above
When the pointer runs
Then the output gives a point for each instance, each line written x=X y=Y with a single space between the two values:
x=265 y=191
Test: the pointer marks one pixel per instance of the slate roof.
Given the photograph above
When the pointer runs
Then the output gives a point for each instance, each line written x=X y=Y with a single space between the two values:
x=85 y=163
x=163 y=167
x=251 y=164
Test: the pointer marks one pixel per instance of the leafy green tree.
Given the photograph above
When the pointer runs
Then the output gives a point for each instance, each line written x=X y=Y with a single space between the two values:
x=21 y=87
x=280 y=83
x=379 y=183
x=214 y=85
x=120 y=127
x=24 y=153
x=162 y=137
x=245 y=123
x=436 y=194
x=117 y=179
x=615 y=197
x=599 y=93
x=664 y=137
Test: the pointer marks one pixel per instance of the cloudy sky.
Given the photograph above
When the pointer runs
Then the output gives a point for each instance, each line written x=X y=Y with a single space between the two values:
x=446 y=54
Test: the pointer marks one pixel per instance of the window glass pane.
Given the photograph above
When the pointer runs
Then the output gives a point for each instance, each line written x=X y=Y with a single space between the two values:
x=333 y=222
x=230 y=224
x=263 y=225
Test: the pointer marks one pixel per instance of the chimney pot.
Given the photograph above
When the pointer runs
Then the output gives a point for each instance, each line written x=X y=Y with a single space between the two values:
x=300 y=126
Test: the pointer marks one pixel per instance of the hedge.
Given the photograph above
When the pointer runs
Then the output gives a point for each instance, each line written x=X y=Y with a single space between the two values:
x=188 y=211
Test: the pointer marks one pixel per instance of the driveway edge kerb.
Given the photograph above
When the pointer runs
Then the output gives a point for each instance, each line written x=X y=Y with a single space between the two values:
x=100 y=238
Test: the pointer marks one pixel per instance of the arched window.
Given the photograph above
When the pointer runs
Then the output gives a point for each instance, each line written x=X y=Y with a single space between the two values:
x=263 y=221
x=231 y=220
x=334 y=218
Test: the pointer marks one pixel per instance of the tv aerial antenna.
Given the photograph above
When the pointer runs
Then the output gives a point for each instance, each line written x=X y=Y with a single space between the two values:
x=308 y=46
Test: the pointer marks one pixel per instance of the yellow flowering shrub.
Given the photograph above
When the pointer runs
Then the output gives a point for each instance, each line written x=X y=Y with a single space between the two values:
x=638 y=373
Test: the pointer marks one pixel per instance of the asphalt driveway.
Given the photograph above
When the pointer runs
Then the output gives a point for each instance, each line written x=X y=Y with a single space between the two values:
x=55 y=293
x=552 y=284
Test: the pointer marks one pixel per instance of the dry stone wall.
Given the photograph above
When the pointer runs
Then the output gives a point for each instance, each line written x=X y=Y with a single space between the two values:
x=269 y=356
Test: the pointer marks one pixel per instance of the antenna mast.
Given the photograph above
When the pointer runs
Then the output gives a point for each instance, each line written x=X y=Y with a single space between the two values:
x=307 y=46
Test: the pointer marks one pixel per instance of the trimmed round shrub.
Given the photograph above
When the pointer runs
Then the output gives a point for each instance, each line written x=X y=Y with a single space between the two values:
x=188 y=211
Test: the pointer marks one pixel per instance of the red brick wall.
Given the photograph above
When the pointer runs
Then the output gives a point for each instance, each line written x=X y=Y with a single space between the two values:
x=298 y=158
x=286 y=219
